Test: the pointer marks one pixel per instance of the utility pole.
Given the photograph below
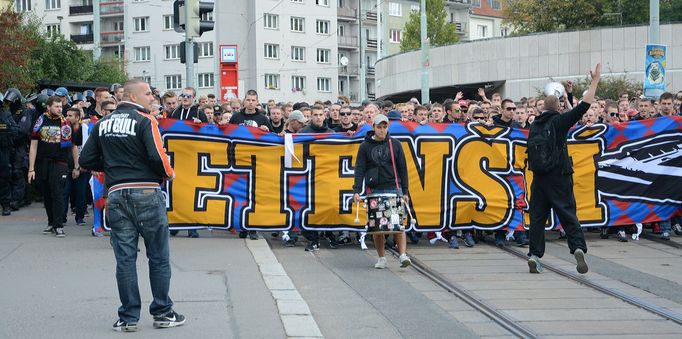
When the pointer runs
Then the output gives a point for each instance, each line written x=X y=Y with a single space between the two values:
x=654 y=26
x=425 y=56
x=96 y=31
x=380 y=28
x=361 y=62
x=189 y=49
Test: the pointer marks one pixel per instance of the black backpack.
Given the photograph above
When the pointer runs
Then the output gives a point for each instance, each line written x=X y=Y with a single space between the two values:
x=544 y=154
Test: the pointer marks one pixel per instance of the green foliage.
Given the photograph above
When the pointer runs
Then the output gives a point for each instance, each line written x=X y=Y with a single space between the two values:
x=439 y=31
x=29 y=56
x=532 y=16
x=609 y=87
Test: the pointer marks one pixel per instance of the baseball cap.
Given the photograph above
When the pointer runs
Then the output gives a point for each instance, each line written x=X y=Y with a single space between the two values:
x=463 y=103
x=394 y=115
x=297 y=116
x=379 y=118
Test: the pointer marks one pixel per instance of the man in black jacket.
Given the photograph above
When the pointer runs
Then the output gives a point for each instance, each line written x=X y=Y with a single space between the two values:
x=374 y=167
x=187 y=110
x=250 y=115
x=552 y=187
x=126 y=145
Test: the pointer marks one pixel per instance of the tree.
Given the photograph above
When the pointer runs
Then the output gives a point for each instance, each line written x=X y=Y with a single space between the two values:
x=439 y=31
x=20 y=38
x=533 y=16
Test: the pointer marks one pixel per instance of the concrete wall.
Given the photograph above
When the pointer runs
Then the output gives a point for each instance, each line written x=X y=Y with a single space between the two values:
x=528 y=62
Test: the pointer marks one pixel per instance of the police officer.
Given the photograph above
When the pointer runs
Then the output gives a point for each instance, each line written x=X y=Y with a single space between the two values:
x=8 y=135
x=22 y=117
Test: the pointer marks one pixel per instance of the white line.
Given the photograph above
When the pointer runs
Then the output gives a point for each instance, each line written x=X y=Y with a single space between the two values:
x=294 y=312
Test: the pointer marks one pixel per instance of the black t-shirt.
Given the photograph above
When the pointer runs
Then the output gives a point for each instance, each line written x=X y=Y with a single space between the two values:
x=55 y=138
x=253 y=120
x=277 y=129
x=340 y=128
x=497 y=120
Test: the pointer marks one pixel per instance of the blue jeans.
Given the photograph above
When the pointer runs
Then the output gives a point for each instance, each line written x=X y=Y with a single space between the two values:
x=131 y=213
x=77 y=188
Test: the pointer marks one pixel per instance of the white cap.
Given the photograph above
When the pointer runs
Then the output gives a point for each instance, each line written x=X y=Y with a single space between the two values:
x=379 y=118
x=298 y=116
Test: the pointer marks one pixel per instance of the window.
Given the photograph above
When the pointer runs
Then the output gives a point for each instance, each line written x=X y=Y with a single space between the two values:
x=208 y=16
x=341 y=30
x=23 y=5
x=504 y=31
x=323 y=55
x=297 y=24
x=298 y=83
x=271 y=51
x=174 y=81
x=297 y=53
x=53 y=4
x=297 y=1
x=324 y=84
x=141 y=24
x=172 y=52
x=142 y=53
x=53 y=30
x=322 y=27
x=414 y=8
x=205 y=80
x=394 y=35
x=342 y=3
x=322 y=2
x=205 y=49
x=476 y=3
x=118 y=26
x=395 y=9
x=482 y=31
x=167 y=22
x=271 y=21
x=495 y=4
x=272 y=81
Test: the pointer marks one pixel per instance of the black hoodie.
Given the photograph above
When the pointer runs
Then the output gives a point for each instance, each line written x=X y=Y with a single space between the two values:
x=561 y=123
x=374 y=165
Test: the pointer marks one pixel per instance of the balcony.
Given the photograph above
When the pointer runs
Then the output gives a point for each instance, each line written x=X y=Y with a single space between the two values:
x=371 y=96
x=348 y=42
x=372 y=43
x=112 y=38
x=350 y=70
x=82 y=38
x=111 y=8
x=80 y=10
x=348 y=14
x=370 y=71
x=461 y=27
x=370 y=16
x=460 y=3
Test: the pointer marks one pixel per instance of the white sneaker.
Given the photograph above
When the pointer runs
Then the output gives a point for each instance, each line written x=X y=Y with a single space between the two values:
x=381 y=263
x=404 y=260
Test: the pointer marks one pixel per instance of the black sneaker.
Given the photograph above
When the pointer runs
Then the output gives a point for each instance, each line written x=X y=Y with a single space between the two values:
x=290 y=243
x=122 y=326
x=6 y=210
x=48 y=230
x=243 y=234
x=604 y=234
x=253 y=235
x=59 y=232
x=170 y=319
x=312 y=247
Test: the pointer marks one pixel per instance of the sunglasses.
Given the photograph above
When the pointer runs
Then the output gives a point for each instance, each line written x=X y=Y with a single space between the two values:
x=185 y=95
x=510 y=109
x=613 y=114
x=344 y=113
x=479 y=118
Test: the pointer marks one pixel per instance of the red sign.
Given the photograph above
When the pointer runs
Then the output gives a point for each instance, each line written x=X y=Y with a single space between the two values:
x=229 y=73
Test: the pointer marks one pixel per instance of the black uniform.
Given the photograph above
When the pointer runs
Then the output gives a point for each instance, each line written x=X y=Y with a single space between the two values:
x=256 y=119
x=555 y=188
x=8 y=135
x=20 y=162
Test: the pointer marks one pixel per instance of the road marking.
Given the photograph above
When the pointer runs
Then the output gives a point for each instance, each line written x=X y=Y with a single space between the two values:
x=294 y=312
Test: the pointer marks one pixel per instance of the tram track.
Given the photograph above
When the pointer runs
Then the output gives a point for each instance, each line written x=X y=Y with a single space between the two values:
x=513 y=326
x=630 y=299
x=657 y=239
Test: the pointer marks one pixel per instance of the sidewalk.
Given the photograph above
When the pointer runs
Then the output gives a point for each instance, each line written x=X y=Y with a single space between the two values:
x=66 y=288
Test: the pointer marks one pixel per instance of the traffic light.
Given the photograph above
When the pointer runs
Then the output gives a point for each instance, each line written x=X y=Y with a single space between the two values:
x=179 y=16
x=194 y=26
x=183 y=56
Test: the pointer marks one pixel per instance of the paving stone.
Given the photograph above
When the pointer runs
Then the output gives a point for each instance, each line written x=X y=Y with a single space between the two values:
x=276 y=282
x=594 y=327
x=272 y=269
x=286 y=295
x=300 y=326
x=293 y=307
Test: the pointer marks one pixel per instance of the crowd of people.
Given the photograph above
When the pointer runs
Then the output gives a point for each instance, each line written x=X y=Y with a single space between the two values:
x=41 y=137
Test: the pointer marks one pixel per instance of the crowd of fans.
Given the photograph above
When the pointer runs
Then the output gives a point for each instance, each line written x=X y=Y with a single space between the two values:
x=341 y=116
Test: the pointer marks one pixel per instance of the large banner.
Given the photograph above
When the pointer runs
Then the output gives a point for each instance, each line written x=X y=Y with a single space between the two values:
x=461 y=176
